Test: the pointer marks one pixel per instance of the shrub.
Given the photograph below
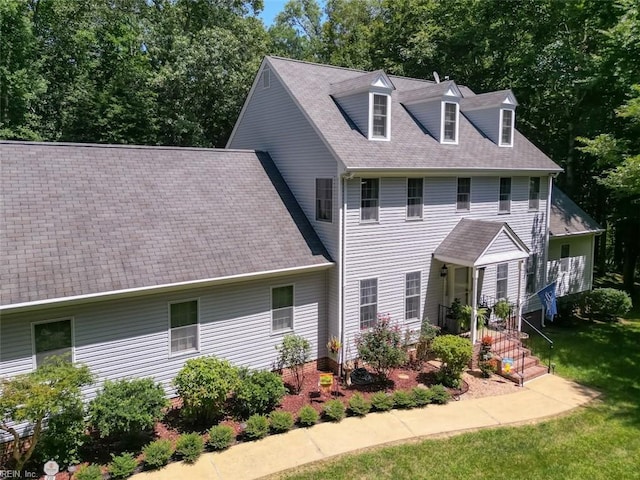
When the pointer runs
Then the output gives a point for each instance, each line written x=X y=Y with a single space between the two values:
x=88 y=472
x=257 y=427
x=487 y=367
x=258 y=392
x=127 y=406
x=358 y=405
x=606 y=304
x=204 y=384
x=64 y=436
x=334 y=410
x=421 y=396
x=293 y=353
x=158 y=453
x=381 y=347
x=190 y=446
x=221 y=437
x=568 y=307
x=455 y=353
x=281 y=422
x=308 y=416
x=427 y=333
x=122 y=466
x=402 y=399
x=381 y=402
x=439 y=395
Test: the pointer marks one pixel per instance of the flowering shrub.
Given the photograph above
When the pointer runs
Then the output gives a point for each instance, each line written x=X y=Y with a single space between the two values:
x=381 y=347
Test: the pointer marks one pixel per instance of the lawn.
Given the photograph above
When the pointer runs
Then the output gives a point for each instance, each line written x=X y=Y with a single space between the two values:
x=601 y=440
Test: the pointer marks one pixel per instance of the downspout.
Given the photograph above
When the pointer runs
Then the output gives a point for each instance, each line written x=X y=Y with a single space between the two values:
x=546 y=231
x=474 y=307
x=519 y=305
x=341 y=271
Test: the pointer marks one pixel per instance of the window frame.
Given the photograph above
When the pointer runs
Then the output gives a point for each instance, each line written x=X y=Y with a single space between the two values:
x=377 y=199
x=387 y=116
x=468 y=201
x=564 y=259
x=501 y=143
x=536 y=200
x=292 y=307
x=53 y=320
x=531 y=282
x=190 y=351
x=266 y=78
x=408 y=297
x=502 y=210
x=421 y=203
x=375 y=315
x=320 y=200
x=443 y=122
x=500 y=279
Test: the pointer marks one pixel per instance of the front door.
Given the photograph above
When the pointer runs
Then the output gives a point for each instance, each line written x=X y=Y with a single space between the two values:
x=460 y=288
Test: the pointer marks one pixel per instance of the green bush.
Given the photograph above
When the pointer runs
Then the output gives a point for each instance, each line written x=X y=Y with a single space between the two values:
x=204 y=384
x=358 y=405
x=190 y=447
x=334 y=410
x=308 y=416
x=293 y=353
x=421 y=396
x=64 y=436
x=439 y=395
x=257 y=427
x=427 y=334
x=455 y=353
x=127 y=406
x=381 y=402
x=158 y=453
x=606 y=304
x=381 y=347
x=568 y=307
x=122 y=466
x=258 y=392
x=221 y=437
x=281 y=421
x=88 y=472
x=403 y=399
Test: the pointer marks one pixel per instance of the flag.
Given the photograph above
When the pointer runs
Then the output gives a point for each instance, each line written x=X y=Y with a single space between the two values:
x=548 y=298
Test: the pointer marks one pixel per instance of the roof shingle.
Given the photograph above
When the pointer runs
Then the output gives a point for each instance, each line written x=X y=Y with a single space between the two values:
x=567 y=218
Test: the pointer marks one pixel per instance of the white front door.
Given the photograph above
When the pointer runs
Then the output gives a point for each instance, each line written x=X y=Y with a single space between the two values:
x=460 y=287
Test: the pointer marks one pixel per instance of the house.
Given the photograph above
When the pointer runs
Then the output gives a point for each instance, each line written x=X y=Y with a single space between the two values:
x=341 y=194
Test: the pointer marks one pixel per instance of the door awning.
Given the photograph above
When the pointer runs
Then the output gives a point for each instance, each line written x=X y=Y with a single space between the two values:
x=478 y=243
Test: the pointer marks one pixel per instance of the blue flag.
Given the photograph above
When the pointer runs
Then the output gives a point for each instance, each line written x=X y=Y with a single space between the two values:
x=548 y=298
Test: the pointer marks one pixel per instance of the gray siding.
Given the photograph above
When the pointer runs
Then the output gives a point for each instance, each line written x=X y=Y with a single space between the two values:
x=578 y=274
x=357 y=108
x=501 y=244
x=130 y=338
x=429 y=116
x=487 y=121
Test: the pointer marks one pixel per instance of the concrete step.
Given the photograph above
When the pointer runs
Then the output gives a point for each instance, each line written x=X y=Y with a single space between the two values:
x=529 y=373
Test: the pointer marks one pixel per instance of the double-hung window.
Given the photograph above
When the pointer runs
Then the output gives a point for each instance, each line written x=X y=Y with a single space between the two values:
x=368 y=303
x=504 y=202
x=502 y=280
x=184 y=326
x=414 y=198
x=464 y=194
x=52 y=339
x=506 y=128
x=380 y=117
x=450 y=123
x=324 y=199
x=282 y=308
x=532 y=270
x=369 y=199
x=565 y=253
x=534 y=193
x=412 y=296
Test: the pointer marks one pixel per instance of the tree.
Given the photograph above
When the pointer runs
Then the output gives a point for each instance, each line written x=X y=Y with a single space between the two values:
x=381 y=347
x=297 y=30
x=32 y=397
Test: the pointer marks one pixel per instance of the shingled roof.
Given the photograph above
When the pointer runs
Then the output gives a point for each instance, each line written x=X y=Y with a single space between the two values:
x=567 y=218
x=410 y=147
x=91 y=219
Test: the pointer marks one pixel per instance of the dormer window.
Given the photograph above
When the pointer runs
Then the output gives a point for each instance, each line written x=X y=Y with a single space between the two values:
x=379 y=117
x=506 y=128
x=450 y=123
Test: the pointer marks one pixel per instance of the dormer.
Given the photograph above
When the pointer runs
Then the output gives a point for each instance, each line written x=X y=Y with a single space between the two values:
x=437 y=108
x=494 y=114
x=366 y=99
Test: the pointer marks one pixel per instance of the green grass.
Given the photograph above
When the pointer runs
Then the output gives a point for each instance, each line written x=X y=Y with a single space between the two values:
x=600 y=441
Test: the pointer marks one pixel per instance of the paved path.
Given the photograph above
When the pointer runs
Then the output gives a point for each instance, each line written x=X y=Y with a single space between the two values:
x=541 y=398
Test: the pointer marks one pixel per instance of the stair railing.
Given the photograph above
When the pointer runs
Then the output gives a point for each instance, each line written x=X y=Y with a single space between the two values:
x=530 y=329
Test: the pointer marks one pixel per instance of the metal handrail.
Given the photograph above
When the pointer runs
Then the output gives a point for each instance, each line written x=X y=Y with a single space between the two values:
x=548 y=340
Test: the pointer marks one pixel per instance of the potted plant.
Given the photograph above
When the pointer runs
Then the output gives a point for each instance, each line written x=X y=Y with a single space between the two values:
x=502 y=310
x=334 y=345
x=466 y=313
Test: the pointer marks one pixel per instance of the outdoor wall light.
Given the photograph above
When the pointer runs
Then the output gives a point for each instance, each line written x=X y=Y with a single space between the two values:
x=444 y=270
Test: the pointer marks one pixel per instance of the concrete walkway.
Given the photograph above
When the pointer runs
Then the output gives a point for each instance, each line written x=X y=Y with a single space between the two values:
x=541 y=398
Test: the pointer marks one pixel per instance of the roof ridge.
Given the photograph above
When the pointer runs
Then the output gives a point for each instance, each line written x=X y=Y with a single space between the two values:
x=127 y=146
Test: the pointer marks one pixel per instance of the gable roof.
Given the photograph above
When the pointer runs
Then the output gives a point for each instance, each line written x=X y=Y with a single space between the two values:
x=489 y=99
x=470 y=242
x=428 y=92
x=410 y=148
x=92 y=219
x=362 y=82
x=567 y=218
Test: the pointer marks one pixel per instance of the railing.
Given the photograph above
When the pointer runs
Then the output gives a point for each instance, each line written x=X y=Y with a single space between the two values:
x=536 y=336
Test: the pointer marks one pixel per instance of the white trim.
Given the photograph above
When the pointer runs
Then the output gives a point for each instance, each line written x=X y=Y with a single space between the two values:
x=442 y=116
x=368 y=221
x=370 y=135
x=508 y=210
x=293 y=309
x=419 y=272
x=463 y=210
x=170 y=286
x=513 y=119
x=33 y=338
x=407 y=217
x=184 y=352
x=360 y=300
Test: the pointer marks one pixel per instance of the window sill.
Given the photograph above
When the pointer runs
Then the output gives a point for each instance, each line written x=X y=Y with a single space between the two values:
x=279 y=333
x=183 y=353
x=369 y=222
x=504 y=212
x=413 y=219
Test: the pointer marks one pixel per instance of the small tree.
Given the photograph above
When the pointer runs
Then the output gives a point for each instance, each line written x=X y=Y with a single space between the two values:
x=293 y=353
x=455 y=353
x=34 y=396
x=381 y=347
